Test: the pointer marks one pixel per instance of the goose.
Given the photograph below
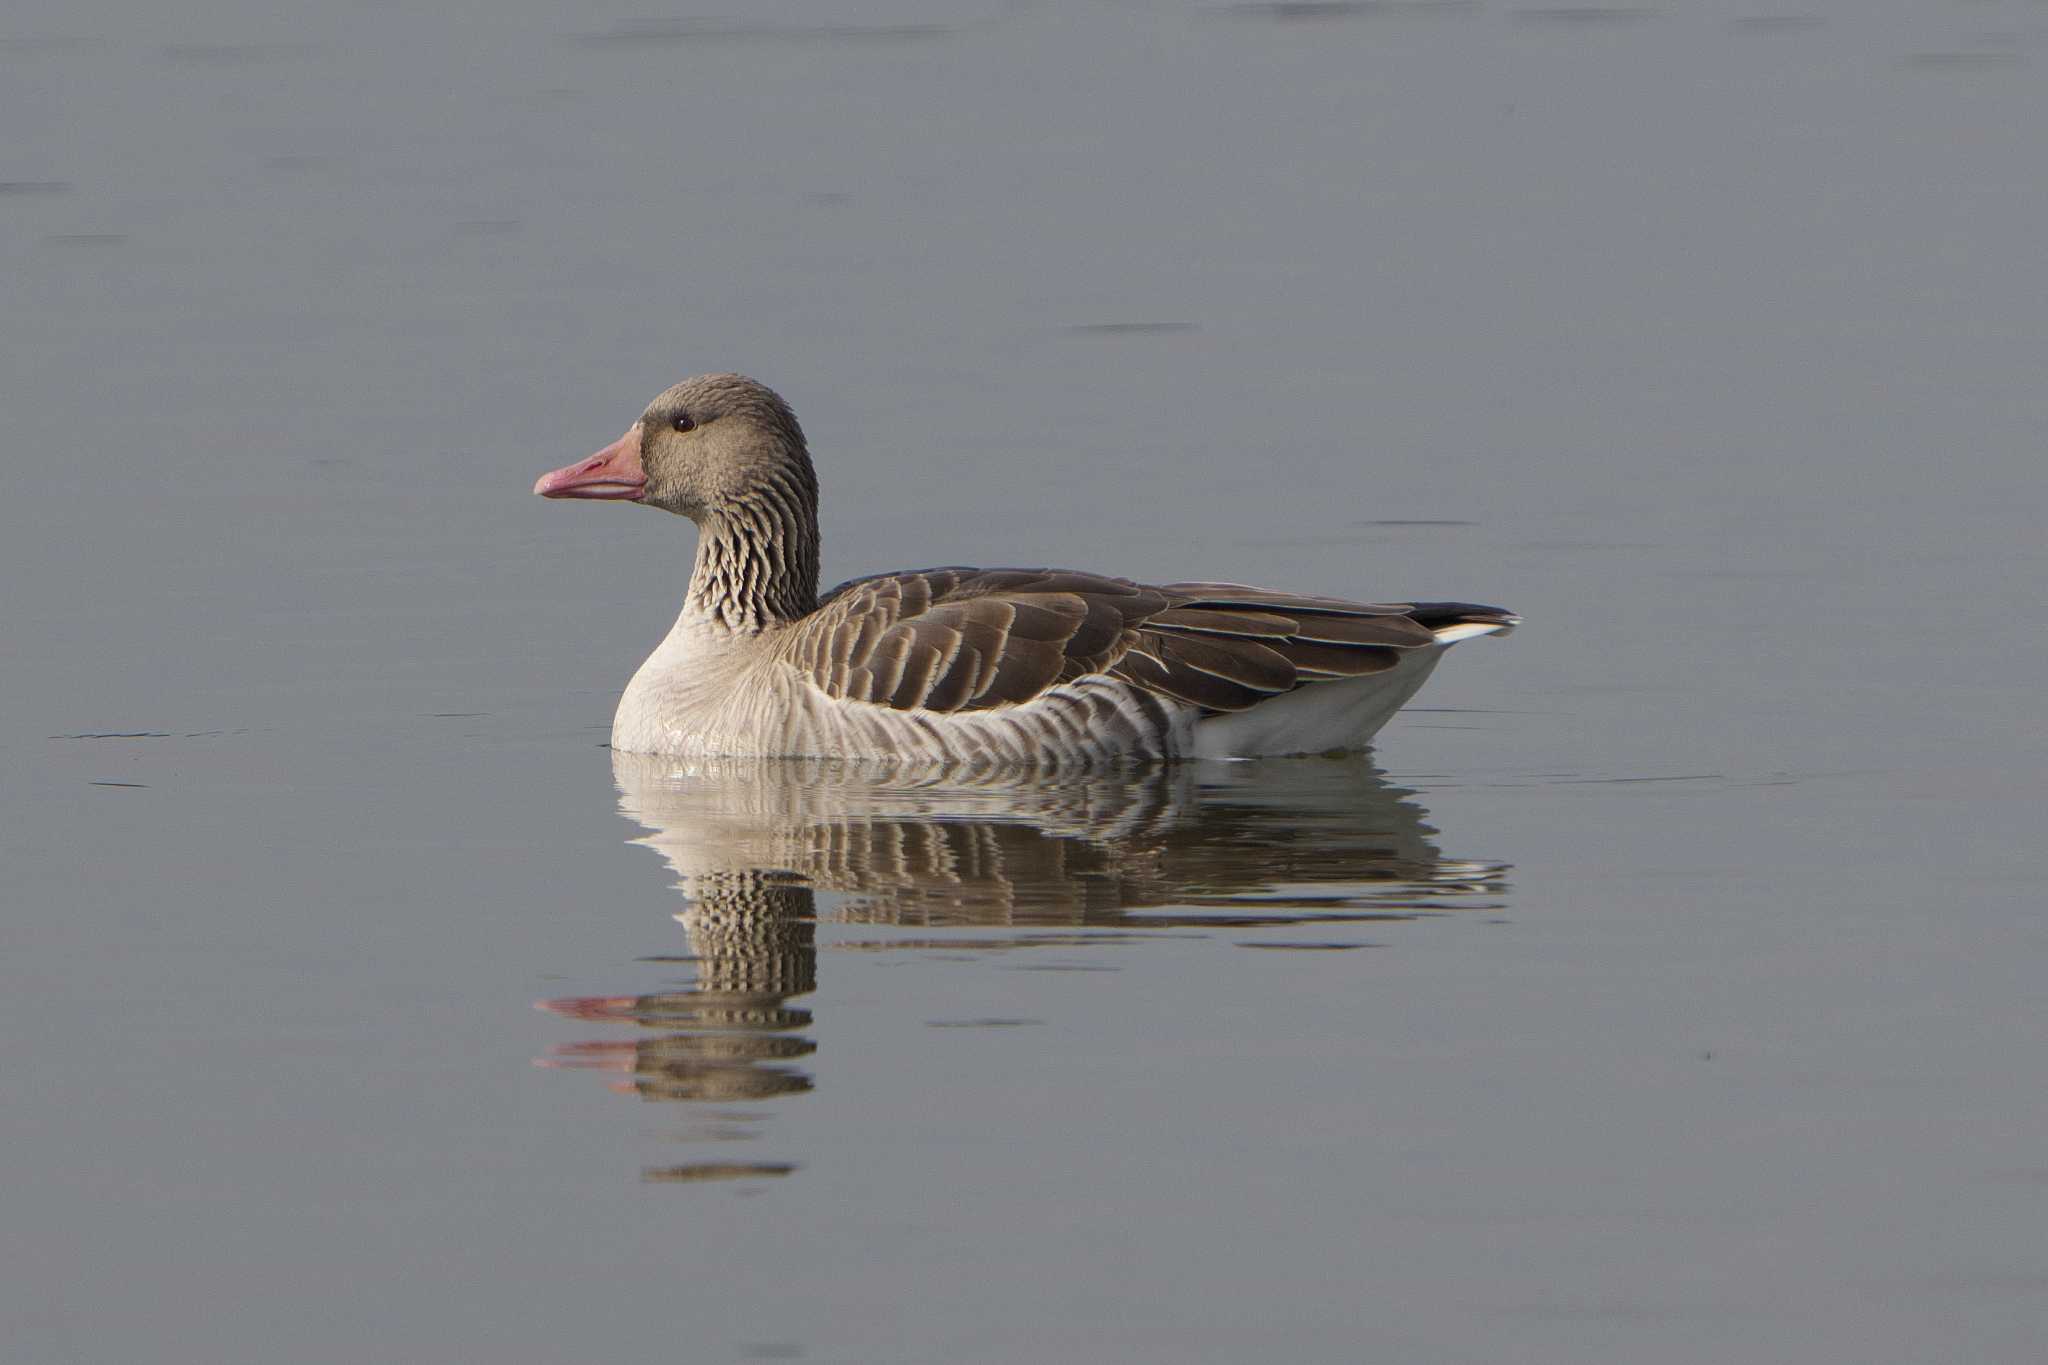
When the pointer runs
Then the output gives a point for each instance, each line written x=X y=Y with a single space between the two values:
x=967 y=667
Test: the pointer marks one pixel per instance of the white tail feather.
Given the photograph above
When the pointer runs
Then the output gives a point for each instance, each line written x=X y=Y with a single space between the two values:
x=1472 y=630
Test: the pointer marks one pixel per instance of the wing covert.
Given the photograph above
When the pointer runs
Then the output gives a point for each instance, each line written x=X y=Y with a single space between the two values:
x=956 y=639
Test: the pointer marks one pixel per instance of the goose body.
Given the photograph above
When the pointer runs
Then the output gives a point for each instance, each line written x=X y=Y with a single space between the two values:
x=968 y=666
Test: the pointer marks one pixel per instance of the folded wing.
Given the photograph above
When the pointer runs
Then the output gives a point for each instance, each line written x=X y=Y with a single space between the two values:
x=953 y=639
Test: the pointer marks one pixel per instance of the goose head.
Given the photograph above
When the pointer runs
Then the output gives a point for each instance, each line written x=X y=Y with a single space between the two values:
x=714 y=443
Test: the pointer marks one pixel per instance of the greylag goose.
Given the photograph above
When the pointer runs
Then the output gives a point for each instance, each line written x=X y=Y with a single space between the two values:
x=967 y=666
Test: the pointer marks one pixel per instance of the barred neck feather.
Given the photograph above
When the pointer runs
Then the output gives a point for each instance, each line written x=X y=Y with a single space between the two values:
x=757 y=558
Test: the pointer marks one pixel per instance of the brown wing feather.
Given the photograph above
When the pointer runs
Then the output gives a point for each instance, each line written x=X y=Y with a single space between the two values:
x=957 y=639
x=1219 y=621
x=1331 y=629
x=1191 y=685
x=1315 y=661
x=1248 y=663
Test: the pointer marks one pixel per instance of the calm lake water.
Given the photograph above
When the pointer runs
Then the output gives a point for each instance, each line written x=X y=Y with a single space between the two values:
x=1666 y=986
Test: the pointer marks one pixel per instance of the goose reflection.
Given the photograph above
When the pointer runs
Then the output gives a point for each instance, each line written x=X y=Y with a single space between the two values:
x=918 y=860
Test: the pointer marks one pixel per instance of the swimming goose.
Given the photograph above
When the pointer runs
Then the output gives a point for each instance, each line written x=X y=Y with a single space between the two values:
x=967 y=666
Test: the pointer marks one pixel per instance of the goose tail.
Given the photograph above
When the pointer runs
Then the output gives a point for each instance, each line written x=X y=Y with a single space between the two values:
x=1451 y=622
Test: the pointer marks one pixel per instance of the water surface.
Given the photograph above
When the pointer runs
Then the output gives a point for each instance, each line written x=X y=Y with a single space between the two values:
x=1664 y=987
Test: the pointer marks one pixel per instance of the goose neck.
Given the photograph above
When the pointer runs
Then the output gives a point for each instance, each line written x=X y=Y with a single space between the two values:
x=757 y=561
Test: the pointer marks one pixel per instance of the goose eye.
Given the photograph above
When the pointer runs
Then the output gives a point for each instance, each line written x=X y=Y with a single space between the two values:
x=683 y=422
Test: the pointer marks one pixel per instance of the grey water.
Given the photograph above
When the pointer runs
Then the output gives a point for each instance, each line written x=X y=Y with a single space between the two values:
x=1666 y=985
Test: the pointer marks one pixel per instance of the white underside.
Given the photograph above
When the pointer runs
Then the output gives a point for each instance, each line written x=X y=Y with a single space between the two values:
x=1326 y=717
x=1318 y=718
